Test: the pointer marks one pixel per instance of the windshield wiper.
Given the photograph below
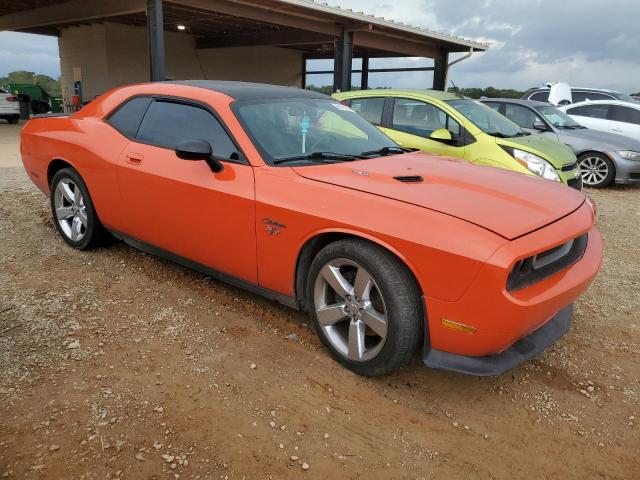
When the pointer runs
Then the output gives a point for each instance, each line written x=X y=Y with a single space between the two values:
x=388 y=151
x=318 y=156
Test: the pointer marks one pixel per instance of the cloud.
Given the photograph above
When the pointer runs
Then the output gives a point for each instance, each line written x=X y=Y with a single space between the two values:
x=34 y=53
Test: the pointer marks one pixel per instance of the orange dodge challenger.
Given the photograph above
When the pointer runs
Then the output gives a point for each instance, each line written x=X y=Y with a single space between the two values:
x=292 y=195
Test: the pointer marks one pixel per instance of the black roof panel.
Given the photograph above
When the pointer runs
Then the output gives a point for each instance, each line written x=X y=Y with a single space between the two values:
x=251 y=91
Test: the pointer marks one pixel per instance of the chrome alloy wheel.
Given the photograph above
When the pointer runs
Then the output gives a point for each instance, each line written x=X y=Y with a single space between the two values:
x=70 y=210
x=350 y=310
x=594 y=170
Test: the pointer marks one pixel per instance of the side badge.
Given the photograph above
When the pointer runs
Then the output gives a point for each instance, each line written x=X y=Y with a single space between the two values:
x=272 y=227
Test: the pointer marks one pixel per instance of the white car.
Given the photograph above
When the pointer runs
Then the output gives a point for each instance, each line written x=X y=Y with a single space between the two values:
x=9 y=107
x=612 y=116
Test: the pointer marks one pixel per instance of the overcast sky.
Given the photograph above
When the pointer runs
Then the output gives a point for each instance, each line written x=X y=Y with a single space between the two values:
x=591 y=43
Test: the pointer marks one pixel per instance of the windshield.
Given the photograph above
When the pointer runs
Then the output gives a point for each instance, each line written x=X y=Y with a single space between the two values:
x=557 y=118
x=306 y=131
x=486 y=118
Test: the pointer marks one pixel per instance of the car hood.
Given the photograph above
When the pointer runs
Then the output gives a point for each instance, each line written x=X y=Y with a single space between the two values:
x=507 y=203
x=551 y=150
x=588 y=138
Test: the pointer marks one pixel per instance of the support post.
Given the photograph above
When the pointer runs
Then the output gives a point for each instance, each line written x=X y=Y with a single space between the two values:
x=343 y=62
x=155 y=30
x=364 y=83
x=441 y=65
x=305 y=61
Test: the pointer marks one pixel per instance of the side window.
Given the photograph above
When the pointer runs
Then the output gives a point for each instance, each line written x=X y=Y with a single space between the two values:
x=592 y=96
x=370 y=109
x=540 y=96
x=166 y=124
x=591 y=111
x=626 y=115
x=578 y=97
x=419 y=118
x=453 y=127
x=521 y=116
x=126 y=119
x=494 y=105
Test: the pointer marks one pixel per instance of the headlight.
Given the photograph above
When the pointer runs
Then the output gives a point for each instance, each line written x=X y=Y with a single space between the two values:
x=630 y=155
x=535 y=164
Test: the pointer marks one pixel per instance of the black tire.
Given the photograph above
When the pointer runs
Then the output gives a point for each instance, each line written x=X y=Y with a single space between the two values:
x=589 y=178
x=13 y=120
x=401 y=297
x=94 y=233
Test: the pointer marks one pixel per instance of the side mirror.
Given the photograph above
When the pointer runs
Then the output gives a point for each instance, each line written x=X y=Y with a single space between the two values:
x=442 y=135
x=198 y=150
x=539 y=125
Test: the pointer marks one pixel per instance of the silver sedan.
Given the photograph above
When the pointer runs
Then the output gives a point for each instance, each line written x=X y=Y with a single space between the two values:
x=603 y=157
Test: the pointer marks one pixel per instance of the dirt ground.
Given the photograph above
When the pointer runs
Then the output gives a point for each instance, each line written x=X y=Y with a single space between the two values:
x=115 y=364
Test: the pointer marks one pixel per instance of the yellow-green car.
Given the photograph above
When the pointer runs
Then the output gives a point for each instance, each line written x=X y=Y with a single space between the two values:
x=456 y=126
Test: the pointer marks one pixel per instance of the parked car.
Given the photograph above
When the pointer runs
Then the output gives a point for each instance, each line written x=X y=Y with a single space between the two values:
x=292 y=195
x=578 y=94
x=455 y=126
x=622 y=118
x=9 y=107
x=603 y=157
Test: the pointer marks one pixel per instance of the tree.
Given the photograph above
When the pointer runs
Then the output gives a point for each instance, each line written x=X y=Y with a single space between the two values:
x=48 y=84
x=488 y=92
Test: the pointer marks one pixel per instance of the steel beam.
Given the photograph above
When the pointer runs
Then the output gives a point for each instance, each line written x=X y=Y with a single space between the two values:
x=441 y=66
x=155 y=30
x=343 y=65
x=282 y=38
x=69 y=12
x=364 y=79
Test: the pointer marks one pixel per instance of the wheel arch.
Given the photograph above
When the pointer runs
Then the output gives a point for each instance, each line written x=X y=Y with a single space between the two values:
x=318 y=240
x=57 y=164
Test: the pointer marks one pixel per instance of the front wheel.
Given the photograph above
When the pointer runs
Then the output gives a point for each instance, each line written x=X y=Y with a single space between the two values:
x=73 y=212
x=365 y=306
x=597 y=170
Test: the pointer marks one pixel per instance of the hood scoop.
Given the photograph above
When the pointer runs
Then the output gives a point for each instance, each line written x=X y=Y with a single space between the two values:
x=410 y=179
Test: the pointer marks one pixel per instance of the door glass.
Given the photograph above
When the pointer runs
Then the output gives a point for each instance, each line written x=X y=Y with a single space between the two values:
x=626 y=115
x=521 y=116
x=418 y=118
x=369 y=108
x=166 y=124
x=591 y=111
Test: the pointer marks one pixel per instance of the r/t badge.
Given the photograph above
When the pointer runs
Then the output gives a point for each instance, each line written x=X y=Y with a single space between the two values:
x=272 y=227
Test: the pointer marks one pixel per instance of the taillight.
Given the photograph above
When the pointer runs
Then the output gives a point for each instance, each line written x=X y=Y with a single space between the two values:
x=12 y=99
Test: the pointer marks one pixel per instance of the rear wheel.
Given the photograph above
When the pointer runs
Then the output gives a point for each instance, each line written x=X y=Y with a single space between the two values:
x=597 y=170
x=13 y=120
x=365 y=306
x=73 y=212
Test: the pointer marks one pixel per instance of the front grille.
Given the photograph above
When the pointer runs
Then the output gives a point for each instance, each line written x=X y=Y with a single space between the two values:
x=576 y=183
x=545 y=264
x=571 y=166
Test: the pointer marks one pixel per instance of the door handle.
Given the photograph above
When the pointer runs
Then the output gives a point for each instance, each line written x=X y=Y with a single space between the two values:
x=134 y=158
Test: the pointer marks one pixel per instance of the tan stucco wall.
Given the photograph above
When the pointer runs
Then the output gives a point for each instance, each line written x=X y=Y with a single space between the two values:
x=111 y=54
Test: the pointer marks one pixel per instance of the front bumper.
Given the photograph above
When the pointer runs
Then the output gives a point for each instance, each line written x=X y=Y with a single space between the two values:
x=524 y=349
x=500 y=318
x=627 y=171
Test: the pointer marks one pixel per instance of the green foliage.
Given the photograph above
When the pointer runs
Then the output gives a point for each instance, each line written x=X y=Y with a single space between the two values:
x=488 y=92
x=48 y=84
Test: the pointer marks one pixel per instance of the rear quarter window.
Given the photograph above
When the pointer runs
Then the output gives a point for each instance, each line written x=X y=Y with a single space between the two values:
x=126 y=119
x=371 y=109
x=626 y=115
